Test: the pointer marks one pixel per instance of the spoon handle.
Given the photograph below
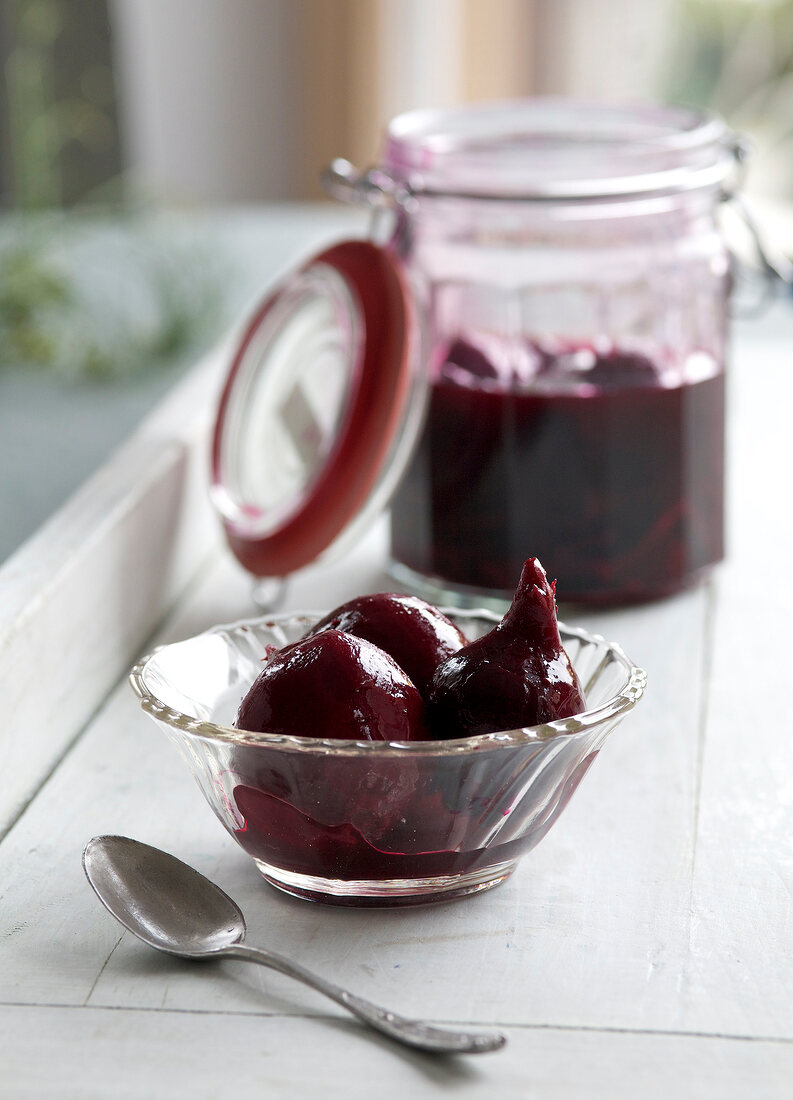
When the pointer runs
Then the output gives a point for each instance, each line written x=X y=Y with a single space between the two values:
x=413 y=1033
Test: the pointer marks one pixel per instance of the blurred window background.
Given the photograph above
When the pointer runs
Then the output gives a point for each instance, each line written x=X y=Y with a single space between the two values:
x=244 y=100
x=133 y=131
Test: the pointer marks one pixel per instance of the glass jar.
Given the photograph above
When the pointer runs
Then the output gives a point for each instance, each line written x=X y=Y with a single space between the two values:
x=573 y=283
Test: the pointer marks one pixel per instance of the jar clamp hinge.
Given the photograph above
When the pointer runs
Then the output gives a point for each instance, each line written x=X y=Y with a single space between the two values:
x=373 y=188
x=774 y=267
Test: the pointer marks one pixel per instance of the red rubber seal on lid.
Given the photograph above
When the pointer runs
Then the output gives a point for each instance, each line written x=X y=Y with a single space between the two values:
x=375 y=406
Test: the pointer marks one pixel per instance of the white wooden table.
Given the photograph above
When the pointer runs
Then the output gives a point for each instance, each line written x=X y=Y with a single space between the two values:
x=644 y=949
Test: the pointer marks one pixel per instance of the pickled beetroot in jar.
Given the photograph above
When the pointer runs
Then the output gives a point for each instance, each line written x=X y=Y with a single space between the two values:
x=573 y=283
x=610 y=471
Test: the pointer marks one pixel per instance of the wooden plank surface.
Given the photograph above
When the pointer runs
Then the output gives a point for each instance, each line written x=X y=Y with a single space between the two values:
x=161 y=1055
x=79 y=599
x=742 y=889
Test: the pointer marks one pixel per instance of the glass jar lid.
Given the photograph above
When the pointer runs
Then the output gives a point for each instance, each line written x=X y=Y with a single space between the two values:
x=556 y=150
x=319 y=412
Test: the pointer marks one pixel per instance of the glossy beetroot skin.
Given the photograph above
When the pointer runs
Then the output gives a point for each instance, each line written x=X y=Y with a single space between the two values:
x=517 y=675
x=334 y=685
x=417 y=635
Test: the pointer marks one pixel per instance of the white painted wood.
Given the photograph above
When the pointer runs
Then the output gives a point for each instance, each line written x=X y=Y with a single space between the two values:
x=77 y=600
x=742 y=927
x=95 y=1054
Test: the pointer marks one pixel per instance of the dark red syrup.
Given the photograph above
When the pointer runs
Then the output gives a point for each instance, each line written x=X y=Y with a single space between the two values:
x=609 y=474
x=404 y=819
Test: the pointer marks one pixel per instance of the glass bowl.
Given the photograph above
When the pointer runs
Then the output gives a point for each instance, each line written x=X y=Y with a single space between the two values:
x=374 y=823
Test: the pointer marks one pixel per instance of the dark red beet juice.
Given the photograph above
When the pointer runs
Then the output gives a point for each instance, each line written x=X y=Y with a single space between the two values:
x=605 y=467
x=315 y=824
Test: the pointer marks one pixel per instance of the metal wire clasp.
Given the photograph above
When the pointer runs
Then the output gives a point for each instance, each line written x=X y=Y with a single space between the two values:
x=373 y=188
x=775 y=268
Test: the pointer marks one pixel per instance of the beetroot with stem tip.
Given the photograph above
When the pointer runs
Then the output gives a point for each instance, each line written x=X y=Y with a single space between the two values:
x=517 y=675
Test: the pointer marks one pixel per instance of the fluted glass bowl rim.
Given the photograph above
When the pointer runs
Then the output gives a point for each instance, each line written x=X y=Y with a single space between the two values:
x=615 y=707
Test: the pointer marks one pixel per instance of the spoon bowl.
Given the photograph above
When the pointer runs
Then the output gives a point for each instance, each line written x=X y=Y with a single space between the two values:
x=171 y=907
x=162 y=901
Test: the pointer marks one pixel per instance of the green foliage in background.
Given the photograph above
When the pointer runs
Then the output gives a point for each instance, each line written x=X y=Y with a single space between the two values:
x=735 y=57
x=91 y=284
x=98 y=299
x=60 y=101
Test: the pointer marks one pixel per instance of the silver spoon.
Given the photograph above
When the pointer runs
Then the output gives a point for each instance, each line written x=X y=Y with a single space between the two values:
x=172 y=907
